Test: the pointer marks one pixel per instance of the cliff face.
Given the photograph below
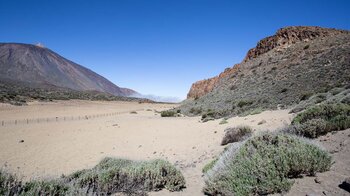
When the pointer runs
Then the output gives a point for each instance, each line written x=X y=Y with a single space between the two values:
x=202 y=87
x=280 y=70
x=283 y=38
x=287 y=36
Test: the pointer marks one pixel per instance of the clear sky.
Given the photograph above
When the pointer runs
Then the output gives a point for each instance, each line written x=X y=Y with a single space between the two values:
x=159 y=46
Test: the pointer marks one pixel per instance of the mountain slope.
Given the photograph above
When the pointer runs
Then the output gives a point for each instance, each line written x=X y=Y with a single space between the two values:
x=280 y=70
x=42 y=67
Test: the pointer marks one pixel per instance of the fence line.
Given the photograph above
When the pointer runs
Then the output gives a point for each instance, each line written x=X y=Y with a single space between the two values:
x=60 y=119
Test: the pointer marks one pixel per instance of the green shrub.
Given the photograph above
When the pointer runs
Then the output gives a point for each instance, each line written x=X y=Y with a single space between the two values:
x=119 y=175
x=195 y=111
x=11 y=185
x=320 y=119
x=209 y=165
x=108 y=177
x=250 y=111
x=243 y=103
x=223 y=121
x=167 y=113
x=236 y=134
x=263 y=164
x=210 y=115
x=305 y=96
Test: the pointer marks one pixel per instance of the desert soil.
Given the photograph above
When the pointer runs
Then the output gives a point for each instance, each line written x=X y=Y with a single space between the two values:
x=50 y=149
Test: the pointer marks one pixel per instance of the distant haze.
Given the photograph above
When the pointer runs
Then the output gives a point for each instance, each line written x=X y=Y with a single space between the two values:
x=158 y=98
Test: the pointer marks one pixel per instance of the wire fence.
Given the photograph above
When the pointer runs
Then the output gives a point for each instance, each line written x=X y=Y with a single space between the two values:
x=59 y=119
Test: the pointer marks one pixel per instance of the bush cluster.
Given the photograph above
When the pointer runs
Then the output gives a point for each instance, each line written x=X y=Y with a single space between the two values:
x=263 y=164
x=168 y=113
x=119 y=175
x=236 y=134
x=110 y=176
x=243 y=103
x=10 y=185
x=321 y=119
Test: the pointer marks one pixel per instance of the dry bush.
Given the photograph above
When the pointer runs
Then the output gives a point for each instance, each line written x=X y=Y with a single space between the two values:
x=131 y=177
x=262 y=165
x=236 y=134
x=320 y=120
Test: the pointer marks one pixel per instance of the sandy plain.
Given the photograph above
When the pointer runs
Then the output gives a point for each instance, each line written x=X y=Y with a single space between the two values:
x=111 y=129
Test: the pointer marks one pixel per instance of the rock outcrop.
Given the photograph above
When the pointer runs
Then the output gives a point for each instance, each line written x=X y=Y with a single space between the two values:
x=279 y=72
x=283 y=38
x=203 y=87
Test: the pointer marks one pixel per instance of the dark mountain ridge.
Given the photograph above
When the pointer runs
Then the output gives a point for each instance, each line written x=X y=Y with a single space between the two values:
x=41 y=67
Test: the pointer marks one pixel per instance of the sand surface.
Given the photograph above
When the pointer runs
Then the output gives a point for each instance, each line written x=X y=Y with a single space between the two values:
x=54 y=148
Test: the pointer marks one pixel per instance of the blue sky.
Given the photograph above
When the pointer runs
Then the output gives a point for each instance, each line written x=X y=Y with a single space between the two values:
x=159 y=46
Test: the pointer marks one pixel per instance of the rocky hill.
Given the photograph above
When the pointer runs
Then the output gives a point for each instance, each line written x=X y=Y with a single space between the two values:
x=40 y=67
x=280 y=71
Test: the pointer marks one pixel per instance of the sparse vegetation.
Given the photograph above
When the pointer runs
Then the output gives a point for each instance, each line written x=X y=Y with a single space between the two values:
x=263 y=164
x=236 y=134
x=195 y=111
x=119 y=175
x=281 y=78
x=209 y=115
x=223 y=121
x=243 y=103
x=209 y=165
x=168 y=113
x=321 y=119
x=19 y=94
x=11 y=185
x=109 y=176
x=133 y=112
x=305 y=96
x=251 y=112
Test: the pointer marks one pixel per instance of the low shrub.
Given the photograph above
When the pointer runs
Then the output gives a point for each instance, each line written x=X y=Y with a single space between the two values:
x=321 y=119
x=236 y=134
x=209 y=115
x=11 y=185
x=119 y=175
x=209 y=165
x=109 y=176
x=243 y=103
x=305 y=96
x=196 y=111
x=262 y=165
x=223 y=121
x=167 y=113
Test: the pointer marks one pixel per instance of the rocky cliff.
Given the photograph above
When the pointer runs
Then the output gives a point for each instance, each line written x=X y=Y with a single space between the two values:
x=284 y=38
x=281 y=70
